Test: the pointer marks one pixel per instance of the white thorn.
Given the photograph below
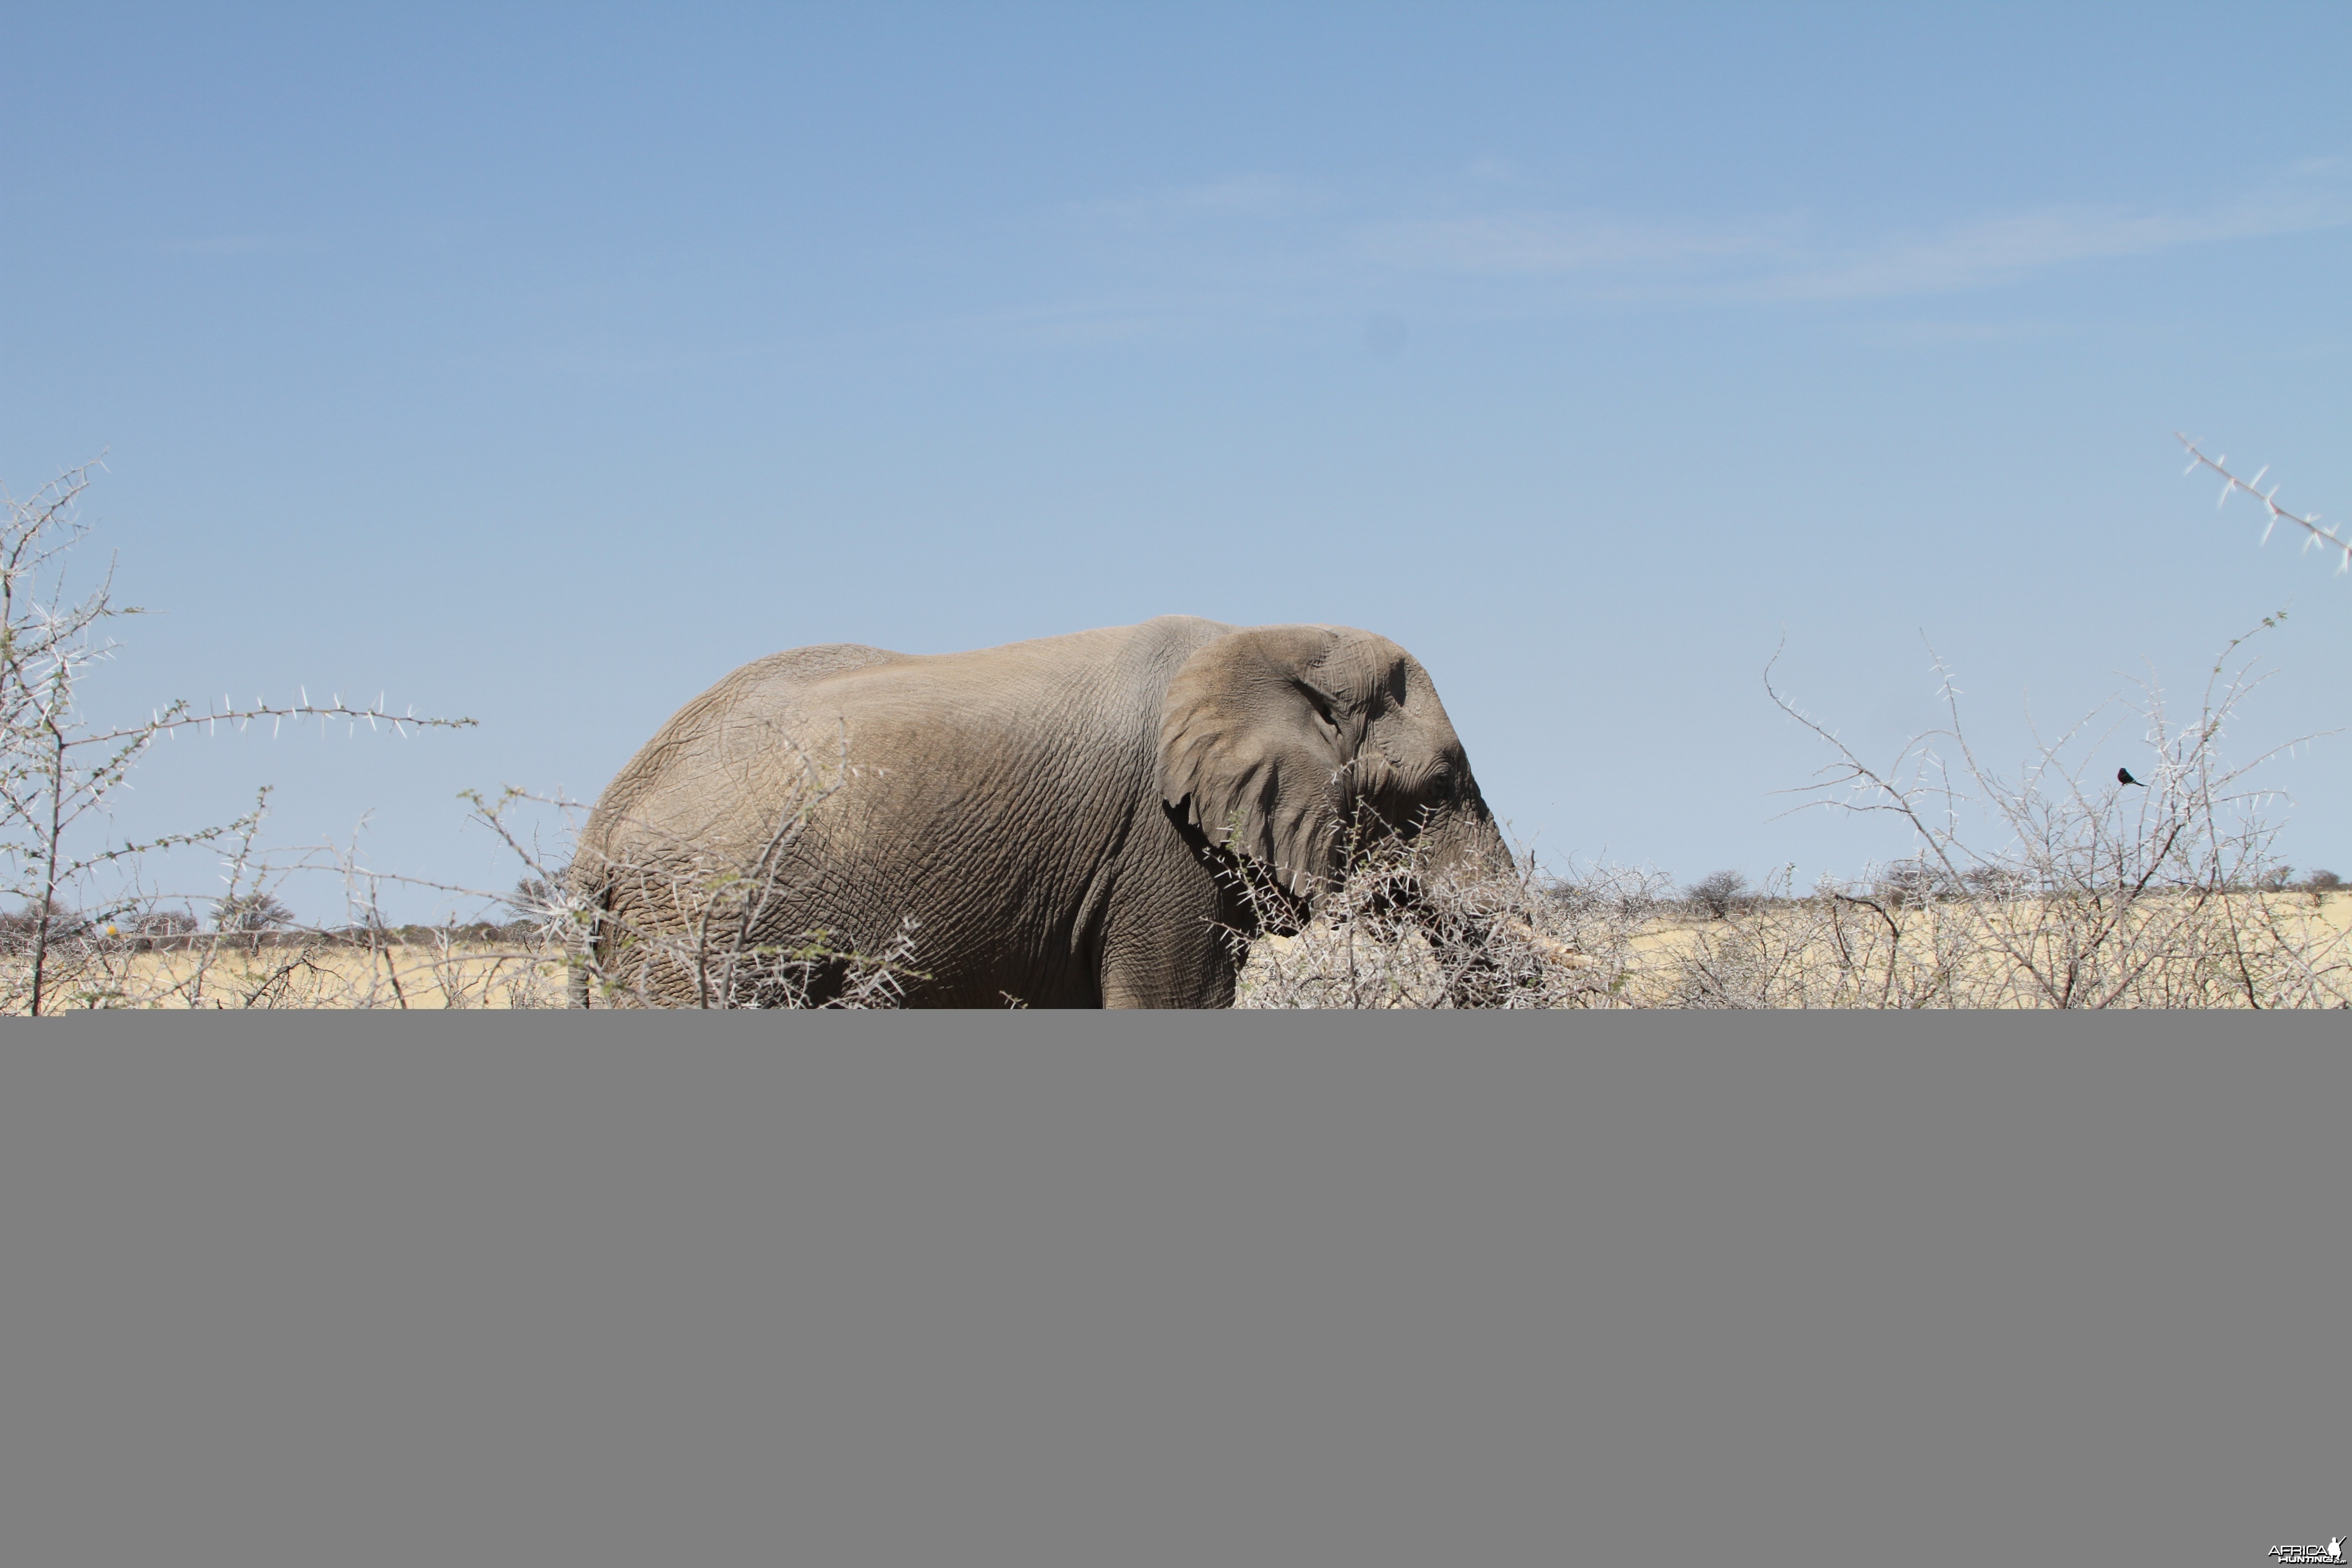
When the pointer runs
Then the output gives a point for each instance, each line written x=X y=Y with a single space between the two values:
x=2266 y=530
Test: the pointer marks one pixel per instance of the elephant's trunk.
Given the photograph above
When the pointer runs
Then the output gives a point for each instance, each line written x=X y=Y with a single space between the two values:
x=1469 y=884
x=1464 y=847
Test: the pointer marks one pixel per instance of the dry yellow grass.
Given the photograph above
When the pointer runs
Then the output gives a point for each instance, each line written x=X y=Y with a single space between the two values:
x=2291 y=949
x=2173 y=949
x=1958 y=951
x=289 y=972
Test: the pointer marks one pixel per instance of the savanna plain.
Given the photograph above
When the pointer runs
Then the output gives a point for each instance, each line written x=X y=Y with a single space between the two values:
x=2051 y=886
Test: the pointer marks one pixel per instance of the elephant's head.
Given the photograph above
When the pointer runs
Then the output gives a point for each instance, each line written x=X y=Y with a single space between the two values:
x=1284 y=744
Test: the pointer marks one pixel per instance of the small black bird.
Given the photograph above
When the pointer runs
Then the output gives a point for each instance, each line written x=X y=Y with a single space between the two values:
x=2122 y=776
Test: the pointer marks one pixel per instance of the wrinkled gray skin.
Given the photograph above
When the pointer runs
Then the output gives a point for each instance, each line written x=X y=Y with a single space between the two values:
x=1055 y=813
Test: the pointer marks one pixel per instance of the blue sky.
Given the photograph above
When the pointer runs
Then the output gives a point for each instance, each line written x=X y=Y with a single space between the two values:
x=541 y=365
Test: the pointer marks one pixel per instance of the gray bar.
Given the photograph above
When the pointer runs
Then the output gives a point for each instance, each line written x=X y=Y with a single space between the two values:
x=953 y=1289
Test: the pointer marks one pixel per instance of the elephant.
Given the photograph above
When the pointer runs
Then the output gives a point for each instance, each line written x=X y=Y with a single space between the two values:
x=1067 y=822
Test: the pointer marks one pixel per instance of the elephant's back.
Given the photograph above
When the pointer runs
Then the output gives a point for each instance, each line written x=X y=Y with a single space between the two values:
x=1105 y=681
x=763 y=695
x=797 y=666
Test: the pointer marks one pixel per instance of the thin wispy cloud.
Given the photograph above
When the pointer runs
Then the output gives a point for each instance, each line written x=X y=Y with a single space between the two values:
x=1789 y=257
x=1540 y=244
x=1261 y=243
x=2005 y=250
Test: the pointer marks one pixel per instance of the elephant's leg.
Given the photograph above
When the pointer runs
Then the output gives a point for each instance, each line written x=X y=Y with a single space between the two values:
x=1175 y=950
x=1208 y=985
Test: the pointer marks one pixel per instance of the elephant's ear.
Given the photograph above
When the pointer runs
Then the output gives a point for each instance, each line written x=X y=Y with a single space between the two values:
x=1254 y=740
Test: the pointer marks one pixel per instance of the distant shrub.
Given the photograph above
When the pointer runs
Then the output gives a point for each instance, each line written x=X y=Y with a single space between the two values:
x=21 y=929
x=1995 y=881
x=252 y=912
x=1916 y=881
x=1718 y=893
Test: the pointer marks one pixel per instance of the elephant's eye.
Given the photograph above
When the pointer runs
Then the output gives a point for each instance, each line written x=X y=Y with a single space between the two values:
x=1322 y=705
